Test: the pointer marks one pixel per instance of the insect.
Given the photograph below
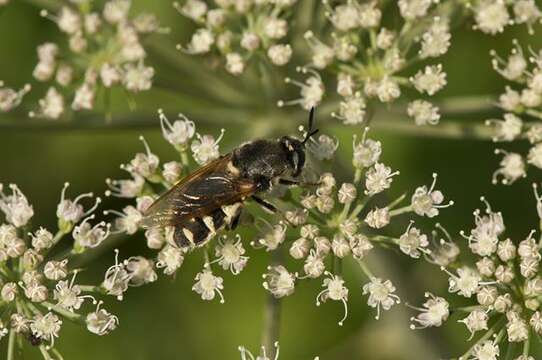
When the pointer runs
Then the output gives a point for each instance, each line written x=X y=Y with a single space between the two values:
x=211 y=198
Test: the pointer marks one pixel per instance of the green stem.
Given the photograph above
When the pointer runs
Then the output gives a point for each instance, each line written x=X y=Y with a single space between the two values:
x=446 y=129
x=11 y=345
x=400 y=211
x=365 y=269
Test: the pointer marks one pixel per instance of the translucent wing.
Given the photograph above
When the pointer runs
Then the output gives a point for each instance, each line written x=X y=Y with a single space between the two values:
x=198 y=194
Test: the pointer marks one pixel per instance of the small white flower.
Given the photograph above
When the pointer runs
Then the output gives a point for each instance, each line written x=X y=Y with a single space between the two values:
x=84 y=97
x=170 y=258
x=413 y=243
x=507 y=129
x=250 y=41
x=51 y=105
x=279 y=282
x=68 y=20
x=314 y=266
x=230 y=253
x=68 y=296
x=412 y=9
x=193 y=9
x=491 y=16
x=486 y=350
x=347 y=193
x=352 y=110
x=201 y=42
x=381 y=295
x=300 y=248
x=15 y=206
x=8 y=292
x=141 y=270
x=324 y=148
x=510 y=100
x=378 y=179
x=101 y=322
x=423 y=112
x=235 y=64
x=334 y=290
x=385 y=38
x=345 y=17
x=427 y=202
x=434 y=313
x=430 y=81
x=517 y=328
x=369 y=14
x=322 y=55
x=10 y=98
x=387 y=89
x=126 y=188
x=512 y=168
x=436 y=40
x=41 y=239
x=172 y=171
x=56 y=270
x=116 y=11
x=280 y=54
x=475 y=321
x=378 y=218
x=312 y=91
x=88 y=236
x=465 y=283
x=535 y=156
x=366 y=152
x=137 y=77
x=205 y=148
x=340 y=246
x=526 y=12
x=116 y=279
x=178 y=133
x=46 y=327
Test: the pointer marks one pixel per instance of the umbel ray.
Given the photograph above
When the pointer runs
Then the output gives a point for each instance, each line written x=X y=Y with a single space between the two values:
x=211 y=198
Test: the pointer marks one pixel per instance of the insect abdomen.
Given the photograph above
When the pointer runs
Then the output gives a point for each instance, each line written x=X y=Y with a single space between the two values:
x=198 y=231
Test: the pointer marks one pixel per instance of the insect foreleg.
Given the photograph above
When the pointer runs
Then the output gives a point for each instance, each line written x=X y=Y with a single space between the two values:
x=265 y=204
x=288 y=182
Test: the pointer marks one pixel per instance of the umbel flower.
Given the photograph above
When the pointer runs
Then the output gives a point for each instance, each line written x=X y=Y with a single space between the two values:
x=239 y=31
x=319 y=225
x=11 y=98
x=522 y=120
x=103 y=50
x=369 y=61
x=38 y=284
x=504 y=284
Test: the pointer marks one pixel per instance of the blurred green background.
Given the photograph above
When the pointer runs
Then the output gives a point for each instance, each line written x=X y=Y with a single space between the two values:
x=166 y=320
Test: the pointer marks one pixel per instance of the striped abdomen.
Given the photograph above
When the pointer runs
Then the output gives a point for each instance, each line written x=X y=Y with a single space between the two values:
x=197 y=231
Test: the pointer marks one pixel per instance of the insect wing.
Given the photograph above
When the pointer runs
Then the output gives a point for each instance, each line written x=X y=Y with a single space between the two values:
x=198 y=194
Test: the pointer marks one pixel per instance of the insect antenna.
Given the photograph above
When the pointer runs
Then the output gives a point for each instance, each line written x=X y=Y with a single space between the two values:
x=310 y=131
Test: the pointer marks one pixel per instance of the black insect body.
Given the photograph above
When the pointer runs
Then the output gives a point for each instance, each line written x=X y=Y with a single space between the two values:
x=212 y=197
x=34 y=340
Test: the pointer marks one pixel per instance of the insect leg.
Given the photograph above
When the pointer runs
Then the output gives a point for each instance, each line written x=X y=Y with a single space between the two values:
x=288 y=182
x=270 y=207
x=235 y=221
x=265 y=204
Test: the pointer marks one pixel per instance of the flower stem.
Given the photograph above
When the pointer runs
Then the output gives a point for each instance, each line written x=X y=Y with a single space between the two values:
x=11 y=345
x=272 y=314
x=446 y=129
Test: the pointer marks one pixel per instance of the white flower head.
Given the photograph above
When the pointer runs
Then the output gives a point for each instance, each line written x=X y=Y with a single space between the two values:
x=366 y=152
x=378 y=179
x=179 y=132
x=312 y=90
x=137 y=77
x=352 y=110
x=427 y=202
x=413 y=243
x=491 y=16
x=512 y=168
x=465 y=283
x=381 y=295
x=413 y=9
x=46 y=327
x=436 y=40
x=430 y=80
x=423 y=112
x=378 y=218
x=101 y=322
x=475 y=321
x=170 y=258
x=434 y=313
x=208 y=285
x=487 y=350
x=230 y=254
x=235 y=64
x=15 y=207
x=279 y=282
x=322 y=55
x=205 y=148
x=280 y=54
x=334 y=289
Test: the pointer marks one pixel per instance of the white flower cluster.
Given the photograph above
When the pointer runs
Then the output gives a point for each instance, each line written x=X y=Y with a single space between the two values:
x=506 y=284
x=336 y=223
x=239 y=31
x=368 y=59
x=523 y=113
x=38 y=291
x=492 y=16
x=103 y=50
x=346 y=233
x=11 y=98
